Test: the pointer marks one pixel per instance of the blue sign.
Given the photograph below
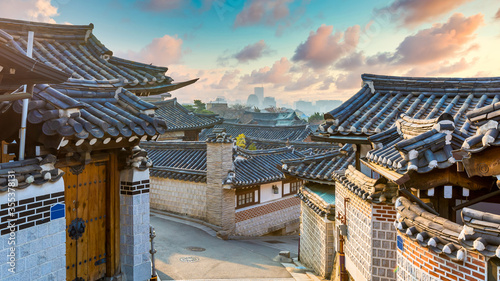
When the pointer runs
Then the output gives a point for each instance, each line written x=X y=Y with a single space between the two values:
x=400 y=243
x=57 y=211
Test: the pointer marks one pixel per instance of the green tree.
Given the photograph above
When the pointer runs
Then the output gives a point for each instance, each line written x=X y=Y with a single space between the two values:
x=256 y=109
x=252 y=146
x=240 y=141
x=315 y=117
x=199 y=105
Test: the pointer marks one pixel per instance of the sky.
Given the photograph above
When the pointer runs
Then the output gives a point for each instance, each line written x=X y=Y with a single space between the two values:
x=297 y=50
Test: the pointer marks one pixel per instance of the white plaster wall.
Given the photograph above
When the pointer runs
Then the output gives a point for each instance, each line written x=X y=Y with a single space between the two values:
x=266 y=192
x=34 y=190
x=286 y=188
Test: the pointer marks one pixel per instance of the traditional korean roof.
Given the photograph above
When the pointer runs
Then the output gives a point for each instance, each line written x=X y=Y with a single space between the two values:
x=314 y=147
x=416 y=144
x=178 y=118
x=376 y=106
x=21 y=174
x=271 y=118
x=320 y=167
x=486 y=120
x=318 y=197
x=480 y=232
x=180 y=160
x=75 y=50
x=291 y=133
x=259 y=166
x=373 y=190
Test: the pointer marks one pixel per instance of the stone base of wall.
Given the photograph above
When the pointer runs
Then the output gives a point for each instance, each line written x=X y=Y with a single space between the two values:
x=316 y=242
x=40 y=252
x=269 y=217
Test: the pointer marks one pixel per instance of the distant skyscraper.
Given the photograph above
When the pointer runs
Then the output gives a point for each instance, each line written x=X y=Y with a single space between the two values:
x=259 y=92
x=305 y=106
x=253 y=100
x=323 y=106
x=269 y=102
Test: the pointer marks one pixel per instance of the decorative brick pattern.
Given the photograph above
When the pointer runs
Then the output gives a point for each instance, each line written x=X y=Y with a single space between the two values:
x=383 y=242
x=134 y=227
x=316 y=242
x=419 y=263
x=134 y=188
x=40 y=252
x=271 y=218
x=28 y=212
x=182 y=197
x=266 y=208
x=358 y=245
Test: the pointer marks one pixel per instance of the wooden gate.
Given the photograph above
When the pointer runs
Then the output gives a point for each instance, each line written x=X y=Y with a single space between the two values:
x=86 y=220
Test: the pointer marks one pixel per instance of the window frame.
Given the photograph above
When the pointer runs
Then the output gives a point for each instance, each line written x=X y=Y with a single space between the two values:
x=250 y=190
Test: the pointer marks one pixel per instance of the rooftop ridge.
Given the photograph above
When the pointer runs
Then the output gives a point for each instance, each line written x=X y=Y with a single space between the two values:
x=42 y=26
x=266 y=126
x=174 y=144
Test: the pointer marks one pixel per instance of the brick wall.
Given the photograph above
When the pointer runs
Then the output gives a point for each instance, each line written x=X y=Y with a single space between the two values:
x=134 y=224
x=32 y=239
x=182 y=197
x=316 y=241
x=383 y=242
x=419 y=263
x=358 y=245
x=268 y=217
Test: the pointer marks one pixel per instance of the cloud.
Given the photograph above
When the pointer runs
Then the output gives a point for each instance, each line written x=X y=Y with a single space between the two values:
x=411 y=13
x=323 y=47
x=351 y=62
x=32 y=10
x=262 y=11
x=278 y=74
x=326 y=83
x=497 y=15
x=441 y=41
x=252 y=52
x=161 y=51
x=159 y=5
x=458 y=66
x=306 y=80
x=348 y=81
x=226 y=80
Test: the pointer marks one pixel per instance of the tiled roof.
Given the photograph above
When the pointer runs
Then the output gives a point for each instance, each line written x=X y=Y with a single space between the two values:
x=319 y=198
x=178 y=118
x=416 y=144
x=382 y=98
x=373 y=190
x=292 y=133
x=75 y=50
x=179 y=160
x=271 y=118
x=314 y=147
x=480 y=232
x=259 y=166
x=320 y=167
x=23 y=173
x=486 y=120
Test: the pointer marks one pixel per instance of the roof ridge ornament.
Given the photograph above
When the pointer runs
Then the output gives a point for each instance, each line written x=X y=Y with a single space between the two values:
x=371 y=86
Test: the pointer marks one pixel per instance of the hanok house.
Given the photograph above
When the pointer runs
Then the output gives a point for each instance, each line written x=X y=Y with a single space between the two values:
x=241 y=191
x=405 y=130
x=81 y=164
x=183 y=124
x=266 y=132
x=270 y=118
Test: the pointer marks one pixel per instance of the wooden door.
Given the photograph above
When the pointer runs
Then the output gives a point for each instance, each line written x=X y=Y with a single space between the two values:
x=86 y=219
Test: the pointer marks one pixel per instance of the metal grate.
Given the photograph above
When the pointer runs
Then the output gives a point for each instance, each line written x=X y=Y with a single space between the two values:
x=189 y=259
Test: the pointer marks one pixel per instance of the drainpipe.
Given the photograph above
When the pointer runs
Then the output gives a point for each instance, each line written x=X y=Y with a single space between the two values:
x=24 y=115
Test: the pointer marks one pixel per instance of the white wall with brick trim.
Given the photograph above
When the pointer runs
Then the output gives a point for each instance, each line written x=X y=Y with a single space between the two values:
x=38 y=242
x=134 y=225
x=264 y=218
x=181 y=197
x=267 y=193
x=317 y=249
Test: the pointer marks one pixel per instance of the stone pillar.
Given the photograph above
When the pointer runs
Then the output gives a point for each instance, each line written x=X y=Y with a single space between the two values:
x=134 y=224
x=220 y=200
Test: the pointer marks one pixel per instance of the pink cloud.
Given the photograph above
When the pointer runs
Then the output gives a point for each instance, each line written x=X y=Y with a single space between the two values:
x=323 y=47
x=458 y=66
x=305 y=80
x=160 y=5
x=414 y=12
x=161 y=51
x=262 y=11
x=278 y=74
x=348 y=81
x=497 y=15
x=226 y=80
x=32 y=10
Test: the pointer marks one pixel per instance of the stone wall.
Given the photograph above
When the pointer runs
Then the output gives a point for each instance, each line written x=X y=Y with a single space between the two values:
x=264 y=218
x=316 y=241
x=181 y=197
x=33 y=234
x=419 y=263
x=134 y=224
x=383 y=242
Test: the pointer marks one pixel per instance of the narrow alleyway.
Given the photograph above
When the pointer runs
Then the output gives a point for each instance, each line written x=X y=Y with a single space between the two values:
x=188 y=251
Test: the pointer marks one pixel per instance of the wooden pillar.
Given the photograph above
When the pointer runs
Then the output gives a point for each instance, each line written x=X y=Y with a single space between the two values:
x=113 y=222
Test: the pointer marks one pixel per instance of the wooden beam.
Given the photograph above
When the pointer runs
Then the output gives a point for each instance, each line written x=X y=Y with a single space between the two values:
x=420 y=202
x=448 y=176
x=476 y=200
x=484 y=163
x=113 y=266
